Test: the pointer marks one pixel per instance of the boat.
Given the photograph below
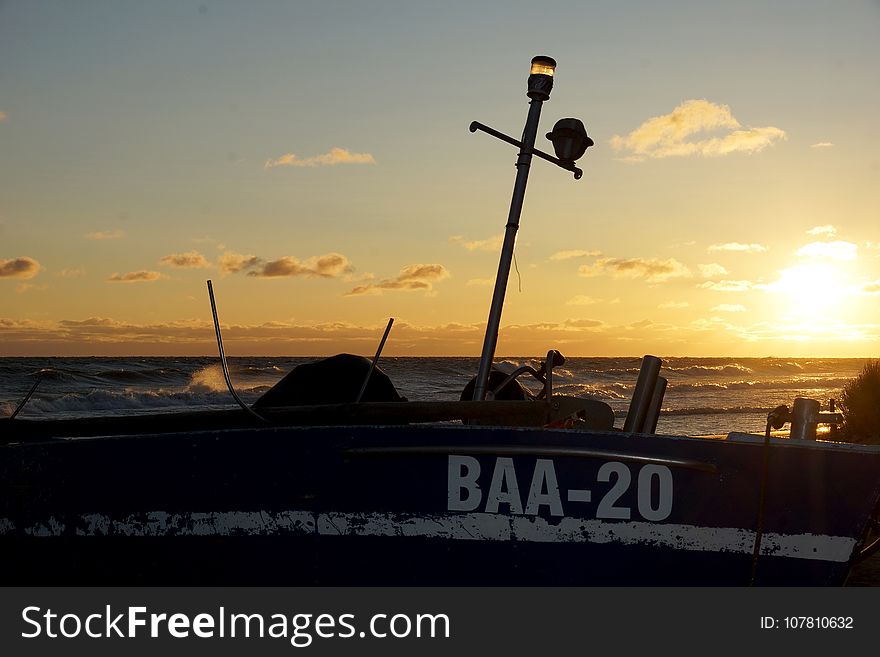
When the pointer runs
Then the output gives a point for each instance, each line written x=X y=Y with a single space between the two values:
x=506 y=487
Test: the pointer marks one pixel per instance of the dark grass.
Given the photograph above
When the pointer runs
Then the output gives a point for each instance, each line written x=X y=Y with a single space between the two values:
x=860 y=404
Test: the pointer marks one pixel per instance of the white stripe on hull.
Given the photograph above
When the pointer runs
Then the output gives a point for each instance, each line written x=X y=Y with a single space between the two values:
x=453 y=526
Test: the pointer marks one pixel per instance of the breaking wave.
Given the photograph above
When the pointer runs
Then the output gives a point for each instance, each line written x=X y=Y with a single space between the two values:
x=111 y=401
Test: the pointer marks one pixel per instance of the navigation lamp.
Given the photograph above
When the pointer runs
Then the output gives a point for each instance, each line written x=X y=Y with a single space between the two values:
x=541 y=77
x=570 y=140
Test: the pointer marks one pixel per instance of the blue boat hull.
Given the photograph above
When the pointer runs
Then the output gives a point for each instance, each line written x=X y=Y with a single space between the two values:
x=438 y=505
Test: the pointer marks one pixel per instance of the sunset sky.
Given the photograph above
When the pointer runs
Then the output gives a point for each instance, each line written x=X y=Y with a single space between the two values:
x=314 y=160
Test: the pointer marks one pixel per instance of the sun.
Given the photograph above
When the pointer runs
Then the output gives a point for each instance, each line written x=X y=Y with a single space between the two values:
x=813 y=290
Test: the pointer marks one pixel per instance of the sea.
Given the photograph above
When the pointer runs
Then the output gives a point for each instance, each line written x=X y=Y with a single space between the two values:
x=704 y=396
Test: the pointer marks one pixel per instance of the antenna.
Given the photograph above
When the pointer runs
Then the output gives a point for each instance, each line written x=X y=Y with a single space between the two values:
x=223 y=360
x=27 y=396
x=375 y=360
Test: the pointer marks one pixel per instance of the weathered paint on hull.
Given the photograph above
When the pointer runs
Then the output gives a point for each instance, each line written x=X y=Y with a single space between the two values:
x=406 y=505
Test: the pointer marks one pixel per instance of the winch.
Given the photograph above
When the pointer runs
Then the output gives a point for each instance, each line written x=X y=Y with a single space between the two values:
x=805 y=417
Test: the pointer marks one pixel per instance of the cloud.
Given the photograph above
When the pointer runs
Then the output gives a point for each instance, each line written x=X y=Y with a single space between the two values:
x=582 y=300
x=490 y=244
x=103 y=335
x=329 y=265
x=21 y=288
x=823 y=231
x=739 y=246
x=871 y=287
x=674 y=304
x=667 y=135
x=3 y=116
x=22 y=267
x=729 y=308
x=480 y=281
x=837 y=250
x=190 y=260
x=569 y=255
x=727 y=286
x=822 y=144
x=106 y=235
x=712 y=270
x=652 y=270
x=333 y=157
x=411 y=277
x=72 y=273
x=583 y=323
x=142 y=276
x=231 y=263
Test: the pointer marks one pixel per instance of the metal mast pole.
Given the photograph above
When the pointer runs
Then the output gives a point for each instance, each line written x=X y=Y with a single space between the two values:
x=519 y=192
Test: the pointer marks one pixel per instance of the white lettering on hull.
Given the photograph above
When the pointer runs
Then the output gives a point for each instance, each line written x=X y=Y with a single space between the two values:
x=451 y=526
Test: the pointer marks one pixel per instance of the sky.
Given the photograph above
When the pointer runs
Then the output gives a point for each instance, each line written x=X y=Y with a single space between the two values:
x=313 y=159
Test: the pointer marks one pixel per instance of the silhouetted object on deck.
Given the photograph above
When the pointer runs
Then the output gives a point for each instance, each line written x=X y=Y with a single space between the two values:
x=513 y=391
x=334 y=380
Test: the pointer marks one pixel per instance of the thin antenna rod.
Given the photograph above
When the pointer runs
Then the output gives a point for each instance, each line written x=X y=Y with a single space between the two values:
x=223 y=360
x=375 y=360
x=26 y=397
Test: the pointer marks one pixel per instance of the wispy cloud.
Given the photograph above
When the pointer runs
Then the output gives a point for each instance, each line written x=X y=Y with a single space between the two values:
x=142 y=276
x=740 y=247
x=712 y=269
x=329 y=265
x=823 y=231
x=667 y=135
x=729 y=308
x=72 y=273
x=188 y=260
x=837 y=250
x=411 y=277
x=582 y=300
x=489 y=244
x=727 y=286
x=22 y=267
x=651 y=269
x=106 y=235
x=232 y=263
x=822 y=144
x=331 y=158
x=21 y=288
x=673 y=304
x=577 y=253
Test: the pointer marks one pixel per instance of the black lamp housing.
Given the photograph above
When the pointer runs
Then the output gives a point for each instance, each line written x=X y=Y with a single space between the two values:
x=541 y=77
x=570 y=140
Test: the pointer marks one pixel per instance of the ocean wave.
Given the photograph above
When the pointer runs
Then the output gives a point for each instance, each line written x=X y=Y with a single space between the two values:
x=139 y=376
x=94 y=401
x=833 y=383
x=602 y=391
x=710 y=410
x=730 y=368
x=612 y=372
x=211 y=379
x=52 y=374
x=705 y=410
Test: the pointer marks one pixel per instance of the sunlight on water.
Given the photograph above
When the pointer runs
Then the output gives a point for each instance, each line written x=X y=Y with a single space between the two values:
x=207 y=379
